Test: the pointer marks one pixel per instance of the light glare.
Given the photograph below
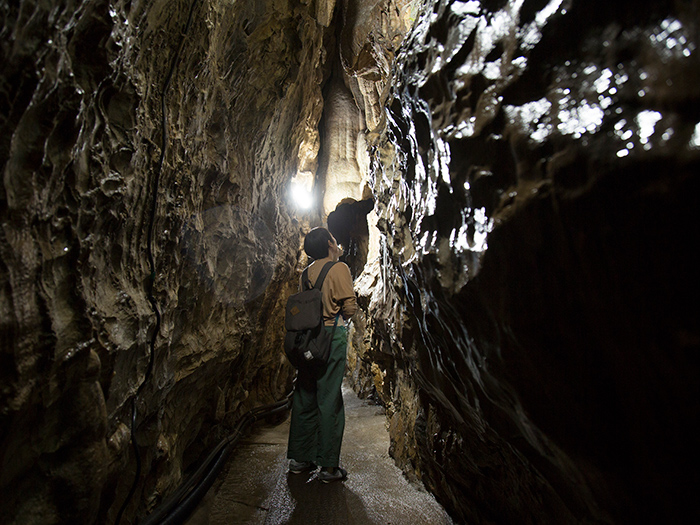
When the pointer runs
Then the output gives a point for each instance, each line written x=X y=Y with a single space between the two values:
x=301 y=196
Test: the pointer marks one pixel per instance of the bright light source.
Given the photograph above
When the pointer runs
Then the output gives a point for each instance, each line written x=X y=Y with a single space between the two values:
x=301 y=196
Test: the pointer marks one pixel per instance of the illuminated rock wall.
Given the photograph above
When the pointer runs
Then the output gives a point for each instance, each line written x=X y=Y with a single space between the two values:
x=529 y=299
x=531 y=321
x=92 y=203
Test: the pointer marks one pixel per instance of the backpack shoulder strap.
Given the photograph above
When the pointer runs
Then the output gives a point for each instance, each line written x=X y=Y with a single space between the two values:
x=322 y=275
x=305 y=283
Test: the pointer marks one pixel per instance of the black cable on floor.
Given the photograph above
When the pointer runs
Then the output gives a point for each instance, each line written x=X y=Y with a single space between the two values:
x=180 y=504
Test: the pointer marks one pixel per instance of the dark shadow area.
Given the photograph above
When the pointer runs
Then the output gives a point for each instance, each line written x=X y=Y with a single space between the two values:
x=348 y=224
x=312 y=501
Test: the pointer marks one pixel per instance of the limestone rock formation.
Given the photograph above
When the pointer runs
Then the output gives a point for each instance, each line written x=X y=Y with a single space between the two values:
x=531 y=322
x=147 y=239
x=526 y=277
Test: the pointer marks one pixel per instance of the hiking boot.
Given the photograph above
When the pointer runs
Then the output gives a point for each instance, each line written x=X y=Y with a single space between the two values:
x=328 y=475
x=297 y=467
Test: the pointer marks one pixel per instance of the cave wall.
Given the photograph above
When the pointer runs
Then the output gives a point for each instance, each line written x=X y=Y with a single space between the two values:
x=529 y=303
x=147 y=242
x=531 y=320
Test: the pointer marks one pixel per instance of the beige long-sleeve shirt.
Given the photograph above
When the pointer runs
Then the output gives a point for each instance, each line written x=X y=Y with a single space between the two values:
x=337 y=291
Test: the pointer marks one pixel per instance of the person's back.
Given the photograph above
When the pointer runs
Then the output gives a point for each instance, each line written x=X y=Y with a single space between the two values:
x=318 y=414
x=338 y=292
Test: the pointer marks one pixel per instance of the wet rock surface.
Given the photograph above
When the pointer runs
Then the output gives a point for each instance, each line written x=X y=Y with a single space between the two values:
x=147 y=242
x=529 y=290
x=256 y=488
x=147 y=237
x=530 y=322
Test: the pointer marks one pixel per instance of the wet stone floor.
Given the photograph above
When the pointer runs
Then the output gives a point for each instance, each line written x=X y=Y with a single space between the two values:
x=255 y=487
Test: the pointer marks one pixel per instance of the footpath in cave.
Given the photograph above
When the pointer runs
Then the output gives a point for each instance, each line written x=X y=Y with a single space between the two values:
x=255 y=487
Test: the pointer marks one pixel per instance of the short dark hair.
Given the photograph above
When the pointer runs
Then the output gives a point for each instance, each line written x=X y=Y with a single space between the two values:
x=316 y=243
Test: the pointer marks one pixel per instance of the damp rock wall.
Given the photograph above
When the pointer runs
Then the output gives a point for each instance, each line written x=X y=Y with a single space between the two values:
x=529 y=299
x=147 y=240
x=531 y=320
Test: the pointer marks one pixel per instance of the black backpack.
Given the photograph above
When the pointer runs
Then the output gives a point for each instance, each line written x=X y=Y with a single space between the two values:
x=306 y=342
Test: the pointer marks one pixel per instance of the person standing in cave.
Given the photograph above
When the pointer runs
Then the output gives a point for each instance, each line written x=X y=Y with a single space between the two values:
x=348 y=224
x=318 y=413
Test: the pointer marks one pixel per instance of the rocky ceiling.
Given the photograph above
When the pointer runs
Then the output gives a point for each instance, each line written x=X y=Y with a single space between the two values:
x=518 y=180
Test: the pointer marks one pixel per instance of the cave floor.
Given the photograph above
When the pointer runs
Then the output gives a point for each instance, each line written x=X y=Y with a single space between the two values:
x=255 y=487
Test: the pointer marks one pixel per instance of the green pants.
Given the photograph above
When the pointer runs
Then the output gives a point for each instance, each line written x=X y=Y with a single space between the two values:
x=318 y=413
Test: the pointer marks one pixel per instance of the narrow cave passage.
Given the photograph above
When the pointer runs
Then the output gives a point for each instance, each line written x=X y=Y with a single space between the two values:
x=515 y=184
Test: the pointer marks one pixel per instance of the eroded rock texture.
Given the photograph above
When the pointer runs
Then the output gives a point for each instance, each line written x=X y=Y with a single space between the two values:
x=532 y=319
x=529 y=291
x=146 y=239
